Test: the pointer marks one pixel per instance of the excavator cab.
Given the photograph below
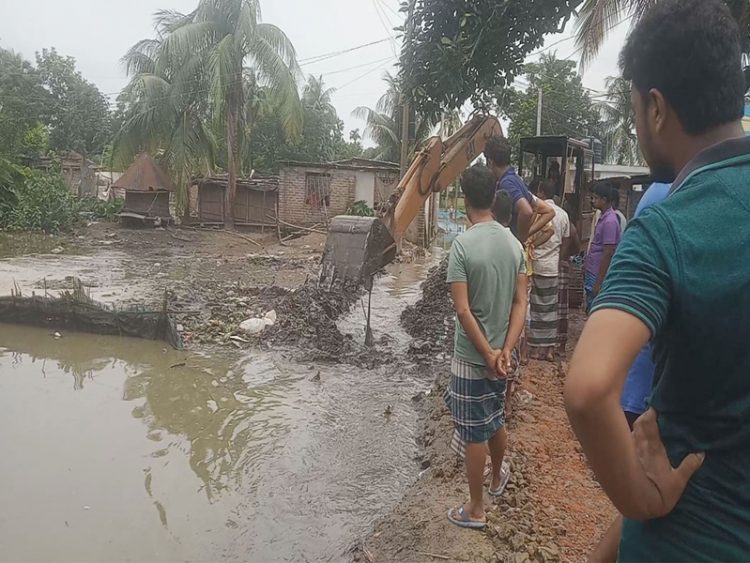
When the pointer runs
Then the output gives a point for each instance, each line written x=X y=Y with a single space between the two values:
x=357 y=247
x=570 y=164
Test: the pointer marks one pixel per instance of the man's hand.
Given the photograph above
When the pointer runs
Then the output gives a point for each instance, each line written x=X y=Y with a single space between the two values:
x=491 y=359
x=668 y=483
x=504 y=362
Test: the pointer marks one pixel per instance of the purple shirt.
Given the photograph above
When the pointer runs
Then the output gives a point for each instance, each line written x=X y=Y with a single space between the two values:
x=607 y=232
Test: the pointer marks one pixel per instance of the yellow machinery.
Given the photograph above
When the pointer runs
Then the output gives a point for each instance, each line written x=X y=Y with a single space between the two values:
x=357 y=247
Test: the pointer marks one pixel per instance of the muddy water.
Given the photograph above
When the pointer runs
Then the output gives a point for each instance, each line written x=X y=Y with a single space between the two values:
x=113 y=450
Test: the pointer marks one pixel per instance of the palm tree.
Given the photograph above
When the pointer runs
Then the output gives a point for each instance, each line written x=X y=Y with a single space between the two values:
x=204 y=57
x=597 y=17
x=317 y=96
x=619 y=123
x=161 y=118
x=384 y=123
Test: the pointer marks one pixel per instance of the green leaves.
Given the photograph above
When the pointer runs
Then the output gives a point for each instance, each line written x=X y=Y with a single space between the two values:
x=463 y=49
x=567 y=108
x=79 y=116
x=43 y=203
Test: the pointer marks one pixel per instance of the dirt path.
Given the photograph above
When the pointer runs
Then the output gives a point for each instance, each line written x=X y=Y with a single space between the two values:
x=553 y=509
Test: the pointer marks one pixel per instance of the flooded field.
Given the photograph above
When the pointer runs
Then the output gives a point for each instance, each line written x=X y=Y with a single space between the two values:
x=122 y=449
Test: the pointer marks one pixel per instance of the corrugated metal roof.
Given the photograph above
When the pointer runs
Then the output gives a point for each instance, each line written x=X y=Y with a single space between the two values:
x=258 y=182
x=144 y=175
x=351 y=164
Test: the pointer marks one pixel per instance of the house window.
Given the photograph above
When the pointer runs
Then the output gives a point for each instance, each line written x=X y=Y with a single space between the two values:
x=318 y=190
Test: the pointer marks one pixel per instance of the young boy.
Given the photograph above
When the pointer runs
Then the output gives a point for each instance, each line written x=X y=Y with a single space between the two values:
x=488 y=284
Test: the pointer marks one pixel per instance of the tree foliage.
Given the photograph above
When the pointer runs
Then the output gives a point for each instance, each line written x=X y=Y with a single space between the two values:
x=208 y=66
x=24 y=105
x=43 y=203
x=79 y=113
x=597 y=17
x=321 y=140
x=384 y=123
x=567 y=108
x=620 y=140
x=463 y=50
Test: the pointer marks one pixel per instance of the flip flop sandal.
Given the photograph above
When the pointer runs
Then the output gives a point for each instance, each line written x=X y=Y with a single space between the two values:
x=465 y=521
x=504 y=478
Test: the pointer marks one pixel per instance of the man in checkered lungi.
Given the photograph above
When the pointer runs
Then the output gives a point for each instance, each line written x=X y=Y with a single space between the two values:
x=486 y=271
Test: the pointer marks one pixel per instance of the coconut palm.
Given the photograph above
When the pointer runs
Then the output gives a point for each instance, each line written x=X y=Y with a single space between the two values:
x=161 y=118
x=204 y=57
x=618 y=122
x=383 y=124
x=597 y=17
x=316 y=96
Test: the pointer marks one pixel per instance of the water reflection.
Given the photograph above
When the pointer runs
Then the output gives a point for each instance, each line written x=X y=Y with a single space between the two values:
x=226 y=457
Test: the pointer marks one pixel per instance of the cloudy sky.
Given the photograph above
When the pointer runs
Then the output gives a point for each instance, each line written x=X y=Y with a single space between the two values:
x=98 y=32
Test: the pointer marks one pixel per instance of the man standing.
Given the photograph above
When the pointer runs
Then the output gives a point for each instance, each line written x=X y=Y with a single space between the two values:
x=607 y=234
x=544 y=284
x=488 y=286
x=679 y=278
x=530 y=214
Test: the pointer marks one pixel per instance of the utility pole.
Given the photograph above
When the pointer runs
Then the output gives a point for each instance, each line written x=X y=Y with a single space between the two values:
x=405 y=105
x=539 y=114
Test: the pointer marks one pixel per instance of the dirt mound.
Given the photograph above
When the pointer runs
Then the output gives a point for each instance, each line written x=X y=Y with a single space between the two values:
x=430 y=320
x=307 y=319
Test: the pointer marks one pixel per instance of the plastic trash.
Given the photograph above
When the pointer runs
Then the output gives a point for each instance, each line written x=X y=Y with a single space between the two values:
x=253 y=326
x=270 y=318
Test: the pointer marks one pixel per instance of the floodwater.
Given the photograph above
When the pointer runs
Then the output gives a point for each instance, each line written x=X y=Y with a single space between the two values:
x=119 y=449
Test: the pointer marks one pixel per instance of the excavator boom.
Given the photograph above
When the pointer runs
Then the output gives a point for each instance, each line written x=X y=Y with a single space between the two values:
x=357 y=247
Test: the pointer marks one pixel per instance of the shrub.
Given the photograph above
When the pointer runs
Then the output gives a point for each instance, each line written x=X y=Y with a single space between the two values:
x=43 y=203
x=361 y=209
x=101 y=209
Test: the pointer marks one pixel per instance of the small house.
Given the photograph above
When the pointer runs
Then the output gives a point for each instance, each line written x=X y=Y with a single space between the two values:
x=254 y=202
x=147 y=191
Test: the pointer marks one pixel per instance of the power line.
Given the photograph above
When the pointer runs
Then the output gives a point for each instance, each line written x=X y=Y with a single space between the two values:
x=332 y=54
x=361 y=76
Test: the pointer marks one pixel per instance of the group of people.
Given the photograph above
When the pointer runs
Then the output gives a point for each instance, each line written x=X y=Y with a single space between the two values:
x=658 y=389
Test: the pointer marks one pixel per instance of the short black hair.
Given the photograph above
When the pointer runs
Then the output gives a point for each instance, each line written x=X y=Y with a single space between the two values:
x=498 y=150
x=548 y=189
x=689 y=50
x=534 y=185
x=606 y=189
x=502 y=208
x=478 y=186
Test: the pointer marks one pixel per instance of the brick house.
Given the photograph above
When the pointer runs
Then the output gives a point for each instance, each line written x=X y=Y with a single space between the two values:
x=313 y=193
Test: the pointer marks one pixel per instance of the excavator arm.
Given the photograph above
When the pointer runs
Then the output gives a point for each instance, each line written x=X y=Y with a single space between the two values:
x=357 y=247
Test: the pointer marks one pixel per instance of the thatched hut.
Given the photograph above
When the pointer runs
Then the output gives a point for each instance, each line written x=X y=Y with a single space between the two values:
x=147 y=188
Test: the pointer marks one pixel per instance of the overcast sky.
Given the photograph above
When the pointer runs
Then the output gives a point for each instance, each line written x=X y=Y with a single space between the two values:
x=98 y=32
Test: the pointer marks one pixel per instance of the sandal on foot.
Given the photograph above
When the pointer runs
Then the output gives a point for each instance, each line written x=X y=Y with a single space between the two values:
x=504 y=478
x=463 y=519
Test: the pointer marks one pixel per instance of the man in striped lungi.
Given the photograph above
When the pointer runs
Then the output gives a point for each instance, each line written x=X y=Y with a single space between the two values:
x=486 y=271
x=543 y=301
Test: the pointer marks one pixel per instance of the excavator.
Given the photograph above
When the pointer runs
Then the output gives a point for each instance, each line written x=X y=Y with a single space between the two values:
x=357 y=247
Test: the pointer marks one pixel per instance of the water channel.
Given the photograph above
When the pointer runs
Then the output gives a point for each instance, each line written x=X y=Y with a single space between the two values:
x=120 y=449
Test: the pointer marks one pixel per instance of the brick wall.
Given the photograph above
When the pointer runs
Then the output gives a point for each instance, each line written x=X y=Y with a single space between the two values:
x=293 y=207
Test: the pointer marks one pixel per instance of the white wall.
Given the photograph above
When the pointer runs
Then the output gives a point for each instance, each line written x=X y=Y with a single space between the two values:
x=364 y=189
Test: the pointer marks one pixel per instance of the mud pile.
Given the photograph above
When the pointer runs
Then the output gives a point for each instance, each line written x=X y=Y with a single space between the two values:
x=430 y=320
x=307 y=319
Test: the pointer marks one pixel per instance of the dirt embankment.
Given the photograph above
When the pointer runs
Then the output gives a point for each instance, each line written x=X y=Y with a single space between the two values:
x=553 y=510
x=430 y=320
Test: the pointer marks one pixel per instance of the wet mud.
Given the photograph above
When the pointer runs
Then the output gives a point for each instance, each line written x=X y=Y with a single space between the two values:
x=430 y=320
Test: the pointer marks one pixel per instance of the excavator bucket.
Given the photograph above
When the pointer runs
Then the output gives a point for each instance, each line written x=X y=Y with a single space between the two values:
x=356 y=248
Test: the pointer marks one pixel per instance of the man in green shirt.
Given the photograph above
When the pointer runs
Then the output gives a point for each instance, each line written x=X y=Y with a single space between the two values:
x=486 y=271
x=681 y=278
